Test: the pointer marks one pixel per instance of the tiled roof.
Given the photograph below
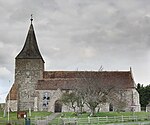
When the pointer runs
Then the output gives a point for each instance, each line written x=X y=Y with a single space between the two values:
x=13 y=92
x=54 y=84
x=87 y=74
x=68 y=79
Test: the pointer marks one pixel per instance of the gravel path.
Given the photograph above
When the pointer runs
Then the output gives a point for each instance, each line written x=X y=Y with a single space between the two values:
x=49 y=118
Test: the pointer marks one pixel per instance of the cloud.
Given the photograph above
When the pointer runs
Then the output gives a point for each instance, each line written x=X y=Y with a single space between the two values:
x=4 y=72
x=83 y=34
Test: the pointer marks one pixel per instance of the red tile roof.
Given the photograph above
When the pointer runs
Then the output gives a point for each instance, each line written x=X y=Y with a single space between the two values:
x=69 y=79
x=65 y=80
x=13 y=92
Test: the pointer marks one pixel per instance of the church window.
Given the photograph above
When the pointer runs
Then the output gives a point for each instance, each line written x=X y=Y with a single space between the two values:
x=46 y=98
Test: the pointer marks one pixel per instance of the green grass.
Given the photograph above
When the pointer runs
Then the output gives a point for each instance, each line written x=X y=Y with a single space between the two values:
x=100 y=114
x=111 y=114
x=15 y=121
x=104 y=114
x=40 y=114
x=13 y=115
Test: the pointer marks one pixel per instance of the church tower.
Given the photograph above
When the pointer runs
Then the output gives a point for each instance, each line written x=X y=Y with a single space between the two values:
x=29 y=67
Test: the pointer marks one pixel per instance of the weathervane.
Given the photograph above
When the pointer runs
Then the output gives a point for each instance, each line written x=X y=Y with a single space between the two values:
x=31 y=18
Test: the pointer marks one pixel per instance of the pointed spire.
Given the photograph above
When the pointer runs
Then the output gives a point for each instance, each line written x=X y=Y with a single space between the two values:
x=30 y=49
x=31 y=18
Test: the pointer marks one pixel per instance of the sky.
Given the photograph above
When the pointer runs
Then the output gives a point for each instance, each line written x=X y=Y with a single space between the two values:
x=78 y=35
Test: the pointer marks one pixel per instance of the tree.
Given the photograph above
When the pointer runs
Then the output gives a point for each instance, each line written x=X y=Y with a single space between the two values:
x=118 y=99
x=92 y=90
x=80 y=98
x=144 y=92
x=90 y=96
x=70 y=99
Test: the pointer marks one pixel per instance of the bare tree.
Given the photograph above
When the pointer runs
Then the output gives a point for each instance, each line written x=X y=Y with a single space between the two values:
x=93 y=89
x=80 y=98
x=70 y=99
x=118 y=99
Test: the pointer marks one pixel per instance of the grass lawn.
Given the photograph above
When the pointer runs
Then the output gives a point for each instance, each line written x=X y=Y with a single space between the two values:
x=104 y=114
x=109 y=114
x=94 y=119
x=15 y=121
x=13 y=115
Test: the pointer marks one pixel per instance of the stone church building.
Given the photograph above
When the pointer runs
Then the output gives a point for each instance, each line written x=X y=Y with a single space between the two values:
x=40 y=90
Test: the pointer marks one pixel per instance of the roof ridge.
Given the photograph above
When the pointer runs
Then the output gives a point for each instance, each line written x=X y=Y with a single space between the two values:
x=84 y=71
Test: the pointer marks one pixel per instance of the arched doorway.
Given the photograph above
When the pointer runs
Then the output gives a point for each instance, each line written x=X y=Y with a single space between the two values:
x=58 y=106
x=111 y=107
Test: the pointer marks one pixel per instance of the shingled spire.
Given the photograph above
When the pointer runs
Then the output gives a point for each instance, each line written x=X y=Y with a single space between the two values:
x=30 y=49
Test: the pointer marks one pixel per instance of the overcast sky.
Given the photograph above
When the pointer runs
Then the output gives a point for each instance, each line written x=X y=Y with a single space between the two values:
x=78 y=35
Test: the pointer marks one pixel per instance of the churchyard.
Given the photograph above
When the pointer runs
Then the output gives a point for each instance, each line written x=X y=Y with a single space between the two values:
x=15 y=121
x=101 y=118
x=72 y=118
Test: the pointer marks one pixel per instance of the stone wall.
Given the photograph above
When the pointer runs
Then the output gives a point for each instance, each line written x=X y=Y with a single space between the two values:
x=131 y=96
x=133 y=102
x=56 y=95
x=101 y=108
x=27 y=73
x=53 y=96
x=12 y=105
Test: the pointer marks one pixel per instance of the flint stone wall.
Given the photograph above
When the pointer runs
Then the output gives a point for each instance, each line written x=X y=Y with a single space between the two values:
x=27 y=73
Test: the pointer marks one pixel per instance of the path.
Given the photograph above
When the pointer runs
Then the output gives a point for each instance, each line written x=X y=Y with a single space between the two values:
x=46 y=121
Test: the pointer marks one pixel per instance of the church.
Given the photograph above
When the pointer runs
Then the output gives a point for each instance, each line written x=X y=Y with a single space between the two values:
x=40 y=90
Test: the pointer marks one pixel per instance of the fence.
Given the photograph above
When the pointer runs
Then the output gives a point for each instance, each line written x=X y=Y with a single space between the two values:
x=12 y=122
x=79 y=121
x=33 y=121
x=99 y=120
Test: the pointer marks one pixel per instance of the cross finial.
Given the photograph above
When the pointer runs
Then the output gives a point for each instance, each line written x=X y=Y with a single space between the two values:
x=31 y=18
